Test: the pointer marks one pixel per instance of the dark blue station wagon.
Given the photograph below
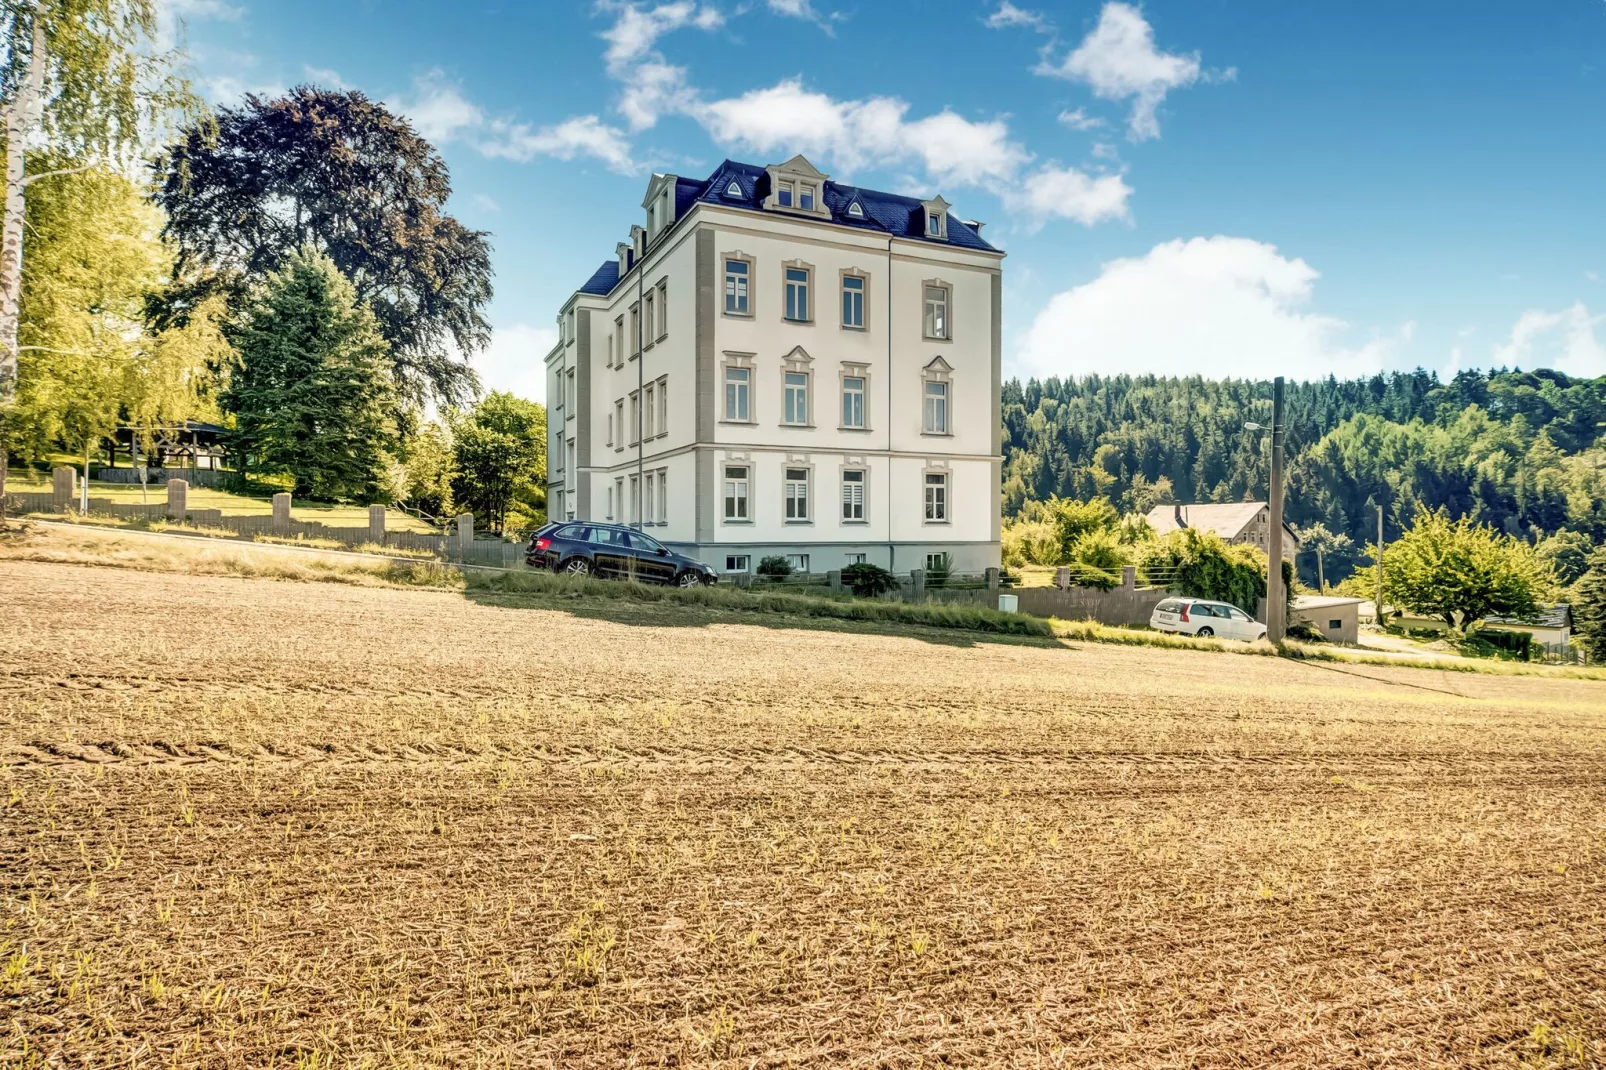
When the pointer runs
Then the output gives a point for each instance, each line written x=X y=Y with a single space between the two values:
x=612 y=551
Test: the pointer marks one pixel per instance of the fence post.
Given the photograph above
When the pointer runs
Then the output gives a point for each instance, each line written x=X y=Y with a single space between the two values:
x=992 y=580
x=465 y=535
x=376 y=524
x=917 y=583
x=281 y=512
x=63 y=487
x=1062 y=578
x=178 y=493
x=833 y=579
x=1129 y=577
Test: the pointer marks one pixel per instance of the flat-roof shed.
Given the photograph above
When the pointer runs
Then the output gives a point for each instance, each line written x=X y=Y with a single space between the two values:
x=1336 y=617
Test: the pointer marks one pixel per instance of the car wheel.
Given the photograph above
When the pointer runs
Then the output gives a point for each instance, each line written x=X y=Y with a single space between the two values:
x=689 y=579
x=1205 y=632
x=578 y=566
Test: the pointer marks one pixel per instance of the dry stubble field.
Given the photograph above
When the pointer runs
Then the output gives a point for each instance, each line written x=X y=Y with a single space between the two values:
x=259 y=823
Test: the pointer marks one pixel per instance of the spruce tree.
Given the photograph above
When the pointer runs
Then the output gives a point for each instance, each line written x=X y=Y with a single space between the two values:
x=1589 y=607
x=312 y=394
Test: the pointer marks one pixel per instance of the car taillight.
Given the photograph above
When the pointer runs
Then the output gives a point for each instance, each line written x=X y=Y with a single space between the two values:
x=542 y=543
x=1184 y=613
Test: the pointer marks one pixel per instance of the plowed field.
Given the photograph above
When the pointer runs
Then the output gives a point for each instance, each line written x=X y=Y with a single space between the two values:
x=258 y=823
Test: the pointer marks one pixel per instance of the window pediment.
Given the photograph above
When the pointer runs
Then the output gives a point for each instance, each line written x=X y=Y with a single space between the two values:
x=798 y=356
x=938 y=369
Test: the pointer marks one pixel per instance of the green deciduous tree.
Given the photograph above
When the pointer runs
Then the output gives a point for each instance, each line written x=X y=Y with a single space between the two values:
x=249 y=187
x=83 y=77
x=1323 y=543
x=430 y=466
x=1462 y=571
x=87 y=362
x=1201 y=565
x=499 y=460
x=312 y=394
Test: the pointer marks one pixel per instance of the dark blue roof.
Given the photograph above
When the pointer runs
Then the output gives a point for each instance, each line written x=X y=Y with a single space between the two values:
x=603 y=280
x=884 y=213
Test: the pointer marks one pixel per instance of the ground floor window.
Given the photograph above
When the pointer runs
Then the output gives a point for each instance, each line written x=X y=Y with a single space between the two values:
x=736 y=492
x=936 y=562
x=797 y=494
x=936 y=497
x=736 y=562
x=853 y=494
x=799 y=562
x=856 y=559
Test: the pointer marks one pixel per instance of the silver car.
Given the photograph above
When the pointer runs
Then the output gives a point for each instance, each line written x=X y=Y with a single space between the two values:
x=1198 y=616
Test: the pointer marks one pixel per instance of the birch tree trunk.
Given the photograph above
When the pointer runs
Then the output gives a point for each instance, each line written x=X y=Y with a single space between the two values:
x=21 y=115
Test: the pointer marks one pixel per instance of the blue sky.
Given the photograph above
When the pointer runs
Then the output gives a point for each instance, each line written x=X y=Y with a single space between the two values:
x=1229 y=187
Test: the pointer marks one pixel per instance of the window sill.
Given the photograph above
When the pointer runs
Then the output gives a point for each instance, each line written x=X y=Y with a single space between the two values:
x=856 y=523
x=797 y=323
x=740 y=423
x=937 y=434
x=936 y=523
x=648 y=346
x=798 y=427
x=855 y=430
x=660 y=338
x=933 y=338
x=799 y=523
x=739 y=315
x=737 y=523
x=851 y=327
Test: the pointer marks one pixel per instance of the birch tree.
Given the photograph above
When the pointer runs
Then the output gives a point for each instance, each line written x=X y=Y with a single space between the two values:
x=87 y=80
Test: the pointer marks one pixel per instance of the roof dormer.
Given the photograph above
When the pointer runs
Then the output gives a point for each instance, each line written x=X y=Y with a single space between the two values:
x=936 y=221
x=638 y=240
x=797 y=187
x=622 y=250
x=660 y=205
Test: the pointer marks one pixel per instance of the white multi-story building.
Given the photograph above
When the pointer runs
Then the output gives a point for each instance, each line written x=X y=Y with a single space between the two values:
x=778 y=364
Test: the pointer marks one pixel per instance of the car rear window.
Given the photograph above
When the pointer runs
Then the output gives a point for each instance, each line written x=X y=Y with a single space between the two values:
x=1168 y=607
x=571 y=531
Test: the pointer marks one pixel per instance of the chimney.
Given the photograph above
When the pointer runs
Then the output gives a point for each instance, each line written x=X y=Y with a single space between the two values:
x=976 y=225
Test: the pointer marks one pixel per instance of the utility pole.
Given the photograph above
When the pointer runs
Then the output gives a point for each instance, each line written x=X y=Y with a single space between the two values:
x=1276 y=599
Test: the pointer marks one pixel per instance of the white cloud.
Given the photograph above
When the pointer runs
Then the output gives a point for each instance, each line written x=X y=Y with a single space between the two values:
x=1562 y=340
x=584 y=135
x=438 y=109
x=1118 y=61
x=1008 y=15
x=801 y=9
x=515 y=360
x=786 y=117
x=485 y=202
x=326 y=76
x=652 y=85
x=1216 y=307
x=1592 y=276
x=228 y=89
x=1067 y=193
x=1080 y=120
x=442 y=113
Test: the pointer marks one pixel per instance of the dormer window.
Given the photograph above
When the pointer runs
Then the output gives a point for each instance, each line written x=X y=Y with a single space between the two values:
x=733 y=190
x=798 y=188
x=855 y=210
x=937 y=218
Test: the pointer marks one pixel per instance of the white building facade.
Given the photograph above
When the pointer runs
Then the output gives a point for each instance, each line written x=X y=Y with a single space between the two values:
x=817 y=377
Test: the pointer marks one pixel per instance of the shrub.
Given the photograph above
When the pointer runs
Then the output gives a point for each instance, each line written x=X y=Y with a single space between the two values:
x=775 y=567
x=869 y=581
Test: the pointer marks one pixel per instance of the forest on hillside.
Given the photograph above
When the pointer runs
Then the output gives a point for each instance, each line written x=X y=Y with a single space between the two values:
x=1523 y=451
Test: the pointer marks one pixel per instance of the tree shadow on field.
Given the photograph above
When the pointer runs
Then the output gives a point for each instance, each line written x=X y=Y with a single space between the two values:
x=669 y=614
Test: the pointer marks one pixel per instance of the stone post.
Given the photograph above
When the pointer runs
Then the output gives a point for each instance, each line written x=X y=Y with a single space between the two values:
x=1129 y=577
x=833 y=578
x=178 y=493
x=281 y=512
x=1062 y=578
x=992 y=580
x=465 y=530
x=376 y=524
x=63 y=487
x=917 y=583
